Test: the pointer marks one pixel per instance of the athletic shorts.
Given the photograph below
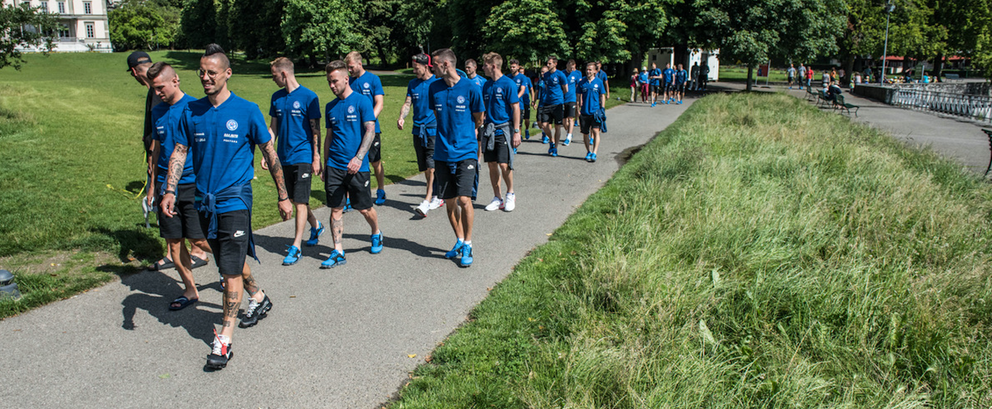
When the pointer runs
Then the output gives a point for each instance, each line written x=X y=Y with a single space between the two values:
x=338 y=182
x=680 y=87
x=569 y=110
x=375 y=151
x=231 y=245
x=185 y=224
x=425 y=154
x=524 y=111
x=587 y=123
x=298 y=182
x=670 y=88
x=456 y=179
x=500 y=152
x=551 y=114
x=654 y=88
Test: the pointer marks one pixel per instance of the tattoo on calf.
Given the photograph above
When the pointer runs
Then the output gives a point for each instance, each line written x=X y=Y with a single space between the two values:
x=250 y=286
x=337 y=229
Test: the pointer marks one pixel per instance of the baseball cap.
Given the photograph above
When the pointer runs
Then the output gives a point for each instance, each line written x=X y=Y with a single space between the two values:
x=422 y=59
x=137 y=58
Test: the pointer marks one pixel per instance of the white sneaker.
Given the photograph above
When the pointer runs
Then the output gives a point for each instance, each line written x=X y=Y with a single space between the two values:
x=423 y=208
x=436 y=203
x=495 y=204
x=510 y=203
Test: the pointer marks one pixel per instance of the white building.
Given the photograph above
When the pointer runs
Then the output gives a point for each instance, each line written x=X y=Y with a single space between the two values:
x=666 y=55
x=83 y=24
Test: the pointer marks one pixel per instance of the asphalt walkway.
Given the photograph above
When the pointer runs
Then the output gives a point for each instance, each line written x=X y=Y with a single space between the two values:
x=341 y=338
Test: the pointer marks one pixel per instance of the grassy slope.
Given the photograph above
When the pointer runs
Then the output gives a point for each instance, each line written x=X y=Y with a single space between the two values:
x=758 y=253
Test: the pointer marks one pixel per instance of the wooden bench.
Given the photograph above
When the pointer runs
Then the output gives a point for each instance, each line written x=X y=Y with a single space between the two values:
x=839 y=103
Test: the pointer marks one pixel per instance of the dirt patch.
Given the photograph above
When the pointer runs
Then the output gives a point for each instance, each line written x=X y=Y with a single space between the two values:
x=628 y=153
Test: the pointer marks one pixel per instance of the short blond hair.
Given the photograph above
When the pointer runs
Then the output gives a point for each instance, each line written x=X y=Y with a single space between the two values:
x=353 y=56
x=493 y=58
x=283 y=64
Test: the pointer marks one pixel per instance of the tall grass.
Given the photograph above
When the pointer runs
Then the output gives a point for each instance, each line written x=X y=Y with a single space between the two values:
x=758 y=253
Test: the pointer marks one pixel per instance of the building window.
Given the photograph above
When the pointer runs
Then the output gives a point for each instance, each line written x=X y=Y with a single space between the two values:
x=44 y=6
x=63 y=31
x=87 y=7
x=90 y=33
x=61 y=7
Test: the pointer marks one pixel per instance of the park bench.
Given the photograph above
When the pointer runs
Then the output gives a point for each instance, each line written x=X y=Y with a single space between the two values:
x=988 y=133
x=810 y=96
x=821 y=98
x=952 y=76
x=839 y=103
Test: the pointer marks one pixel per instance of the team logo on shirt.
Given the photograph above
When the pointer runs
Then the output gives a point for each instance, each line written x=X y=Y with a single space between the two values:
x=232 y=125
x=351 y=109
x=296 y=104
x=365 y=85
x=460 y=99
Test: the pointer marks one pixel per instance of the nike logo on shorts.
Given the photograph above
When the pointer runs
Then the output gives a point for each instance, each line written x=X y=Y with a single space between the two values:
x=305 y=175
x=239 y=233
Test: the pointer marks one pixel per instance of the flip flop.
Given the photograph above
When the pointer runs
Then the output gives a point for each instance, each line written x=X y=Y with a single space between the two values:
x=163 y=266
x=183 y=303
x=197 y=262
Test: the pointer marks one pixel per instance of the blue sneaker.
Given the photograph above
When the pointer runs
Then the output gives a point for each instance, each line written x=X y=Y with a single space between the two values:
x=588 y=156
x=380 y=197
x=466 y=255
x=526 y=134
x=336 y=259
x=314 y=235
x=653 y=104
x=377 y=243
x=514 y=151
x=591 y=140
x=592 y=158
x=545 y=138
x=293 y=257
x=455 y=251
x=680 y=102
x=347 y=205
x=553 y=151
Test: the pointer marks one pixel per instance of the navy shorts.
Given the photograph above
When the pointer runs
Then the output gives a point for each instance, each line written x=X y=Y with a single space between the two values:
x=338 y=182
x=456 y=179
x=231 y=245
x=185 y=224
x=297 y=179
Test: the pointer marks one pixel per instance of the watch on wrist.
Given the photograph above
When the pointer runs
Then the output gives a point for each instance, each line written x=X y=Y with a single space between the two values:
x=516 y=130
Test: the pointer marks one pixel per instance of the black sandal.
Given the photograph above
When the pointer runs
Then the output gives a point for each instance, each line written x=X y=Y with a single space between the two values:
x=159 y=265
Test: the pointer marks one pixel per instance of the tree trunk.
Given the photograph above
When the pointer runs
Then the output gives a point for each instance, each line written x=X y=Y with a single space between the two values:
x=938 y=67
x=849 y=68
x=750 y=75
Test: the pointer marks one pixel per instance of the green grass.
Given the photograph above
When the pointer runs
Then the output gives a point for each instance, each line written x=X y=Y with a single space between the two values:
x=737 y=74
x=757 y=253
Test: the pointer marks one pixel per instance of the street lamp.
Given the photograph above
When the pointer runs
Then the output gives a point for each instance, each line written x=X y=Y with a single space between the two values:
x=889 y=8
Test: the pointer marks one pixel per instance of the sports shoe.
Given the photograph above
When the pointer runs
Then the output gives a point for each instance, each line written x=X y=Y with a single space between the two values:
x=591 y=139
x=592 y=158
x=526 y=134
x=380 y=197
x=588 y=156
x=336 y=259
x=680 y=102
x=376 y=243
x=553 y=151
x=314 y=235
x=653 y=104
x=436 y=202
x=221 y=352
x=545 y=139
x=455 y=251
x=423 y=208
x=567 y=141
x=510 y=203
x=293 y=257
x=347 y=206
x=466 y=255
x=256 y=311
x=495 y=204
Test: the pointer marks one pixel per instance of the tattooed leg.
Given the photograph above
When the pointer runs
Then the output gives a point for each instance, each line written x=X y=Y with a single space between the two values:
x=233 y=290
x=251 y=287
x=337 y=228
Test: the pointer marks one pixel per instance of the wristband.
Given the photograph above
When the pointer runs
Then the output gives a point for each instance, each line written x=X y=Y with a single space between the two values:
x=285 y=198
x=173 y=192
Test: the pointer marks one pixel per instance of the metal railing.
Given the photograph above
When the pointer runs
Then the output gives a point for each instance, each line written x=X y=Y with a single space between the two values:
x=977 y=107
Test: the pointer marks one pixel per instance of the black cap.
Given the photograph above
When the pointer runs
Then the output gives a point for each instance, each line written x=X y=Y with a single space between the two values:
x=423 y=59
x=137 y=58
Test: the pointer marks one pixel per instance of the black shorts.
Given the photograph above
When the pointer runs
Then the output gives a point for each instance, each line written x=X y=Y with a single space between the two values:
x=500 y=152
x=297 y=179
x=569 y=110
x=456 y=179
x=425 y=154
x=231 y=245
x=551 y=114
x=184 y=224
x=680 y=87
x=338 y=182
x=587 y=123
x=670 y=88
x=524 y=110
x=375 y=151
x=654 y=89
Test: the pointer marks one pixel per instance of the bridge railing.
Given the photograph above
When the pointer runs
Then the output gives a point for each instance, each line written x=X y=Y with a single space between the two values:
x=976 y=107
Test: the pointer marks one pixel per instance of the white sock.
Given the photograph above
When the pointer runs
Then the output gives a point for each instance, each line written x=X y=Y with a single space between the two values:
x=569 y=136
x=468 y=243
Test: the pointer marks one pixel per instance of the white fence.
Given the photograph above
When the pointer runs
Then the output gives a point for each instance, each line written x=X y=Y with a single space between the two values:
x=977 y=107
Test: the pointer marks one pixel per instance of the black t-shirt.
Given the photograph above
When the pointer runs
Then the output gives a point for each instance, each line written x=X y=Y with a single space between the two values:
x=151 y=100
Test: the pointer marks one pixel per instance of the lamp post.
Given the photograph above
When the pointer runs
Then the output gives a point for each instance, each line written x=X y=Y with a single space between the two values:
x=889 y=7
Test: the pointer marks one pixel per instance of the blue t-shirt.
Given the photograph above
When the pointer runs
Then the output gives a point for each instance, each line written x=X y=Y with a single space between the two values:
x=222 y=143
x=552 y=93
x=478 y=80
x=654 y=73
x=539 y=90
x=681 y=76
x=601 y=75
x=369 y=85
x=293 y=111
x=668 y=73
x=523 y=81
x=422 y=112
x=165 y=118
x=573 y=77
x=453 y=107
x=643 y=77
x=345 y=120
x=499 y=97
x=590 y=91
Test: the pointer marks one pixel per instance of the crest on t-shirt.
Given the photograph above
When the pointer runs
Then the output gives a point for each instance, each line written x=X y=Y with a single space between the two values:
x=351 y=109
x=365 y=85
x=232 y=125
x=460 y=99
x=296 y=104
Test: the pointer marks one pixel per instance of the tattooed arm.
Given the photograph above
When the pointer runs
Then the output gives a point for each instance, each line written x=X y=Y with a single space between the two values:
x=176 y=164
x=275 y=168
x=404 y=111
x=315 y=144
x=356 y=163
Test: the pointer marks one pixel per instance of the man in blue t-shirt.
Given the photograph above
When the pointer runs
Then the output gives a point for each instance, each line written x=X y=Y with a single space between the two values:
x=553 y=100
x=295 y=113
x=424 y=127
x=655 y=76
x=592 y=102
x=369 y=85
x=459 y=111
x=681 y=77
x=668 y=78
x=220 y=133
x=573 y=76
x=538 y=103
x=502 y=121
x=471 y=73
x=603 y=77
x=524 y=93
x=350 y=120
x=165 y=120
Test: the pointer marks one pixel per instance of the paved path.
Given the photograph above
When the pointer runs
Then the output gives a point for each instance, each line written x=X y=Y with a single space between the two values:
x=336 y=338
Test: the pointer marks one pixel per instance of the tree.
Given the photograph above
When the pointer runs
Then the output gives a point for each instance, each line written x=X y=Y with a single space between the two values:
x=21 y=27
x=137 y=24
x=256 y=27
x=199 y=21
x=319 y=28
x=528 y=30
